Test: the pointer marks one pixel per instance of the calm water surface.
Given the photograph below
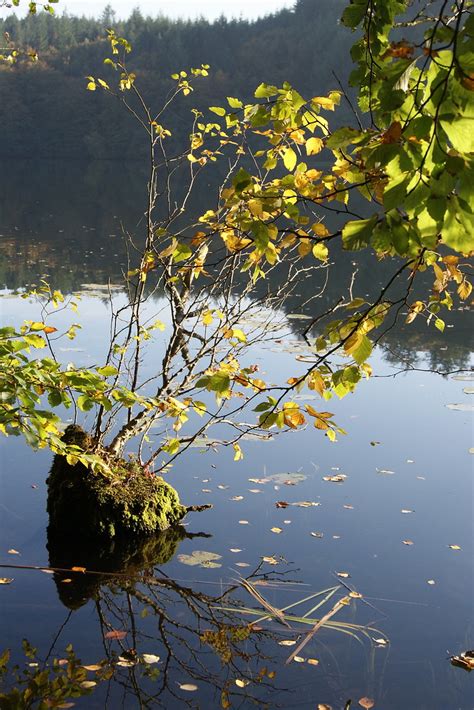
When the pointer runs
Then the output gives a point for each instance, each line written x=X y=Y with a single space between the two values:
x=405 y=451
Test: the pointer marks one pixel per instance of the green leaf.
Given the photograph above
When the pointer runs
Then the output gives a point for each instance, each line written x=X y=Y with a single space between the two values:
x=356 y=234
x=265 y=91
x=218 y=110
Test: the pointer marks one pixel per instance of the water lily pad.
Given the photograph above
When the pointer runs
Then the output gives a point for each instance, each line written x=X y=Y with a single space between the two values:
x=201 y=558
x=290 y=479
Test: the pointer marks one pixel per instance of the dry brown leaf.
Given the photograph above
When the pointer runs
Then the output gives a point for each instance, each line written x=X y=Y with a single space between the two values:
x=367 y=703
x=243 y=522
x=317 y=534
x=313 y=661
x=116 y=635
x=343 y=575
x=94 y=667
x=464 y=660
x=6 y=580
x=78 y=569
x=282 y=504
x=408 y=542
x=237 y=498
x=349 y=507
x=339 y=478
x=13 y=552
x=323 y=706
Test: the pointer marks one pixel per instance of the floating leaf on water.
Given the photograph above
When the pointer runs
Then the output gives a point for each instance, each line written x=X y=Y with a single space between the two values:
x=281 y=504
x=408 y=542
x=306 y=504
x=242 y=564
x=375 y=443
x=116 y=635
x=206 y=490
x=406 y=511
x=468 y=390
x=299 y=659
x=93 y=667
x=367 y=703
x=431 y=582
x=313 y=661
x=454 y=547
x=410 y=461
x=150 y=658
x=463 y=378
x=287 y=522
x=349 y=507
x=355 y=595
x=223 y=488
x=339 y=478
x=336 y=537
x=66 y=581
x=471 y=451
x=236 y=498
x=259 y=480
x=317 y=534
x=323 y=706
x=385 y=471
x=244 y=522
x=255 y=490
x=47 y=571
x=464 y=660
x=461 y=407
x=270 y=560
x=235 y=549
x=188 y=687
x=343 y=575
x=241 y=683
x=78 y=569
x=126 y=662
x=86 y=684
x=277 y=531
x=380 y=642
x=13 y=552
x=287 y=642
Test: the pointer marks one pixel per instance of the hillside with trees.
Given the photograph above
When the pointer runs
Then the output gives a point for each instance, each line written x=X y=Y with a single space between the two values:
x=45 y=111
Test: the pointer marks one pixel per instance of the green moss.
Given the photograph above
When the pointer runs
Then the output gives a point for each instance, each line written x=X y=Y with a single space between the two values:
x=131 y=502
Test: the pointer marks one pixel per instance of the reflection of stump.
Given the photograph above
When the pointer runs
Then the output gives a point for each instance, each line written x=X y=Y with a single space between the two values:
x=86 y=504
x=121 y=562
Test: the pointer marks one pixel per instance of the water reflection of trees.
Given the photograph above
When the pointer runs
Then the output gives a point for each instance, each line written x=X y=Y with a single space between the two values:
x=71 y=233
x=196 y=642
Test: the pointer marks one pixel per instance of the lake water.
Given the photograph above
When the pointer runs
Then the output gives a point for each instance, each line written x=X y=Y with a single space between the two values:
x=408 y=479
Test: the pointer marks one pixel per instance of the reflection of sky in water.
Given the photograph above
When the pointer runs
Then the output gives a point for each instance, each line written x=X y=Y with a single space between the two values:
x=421 y=464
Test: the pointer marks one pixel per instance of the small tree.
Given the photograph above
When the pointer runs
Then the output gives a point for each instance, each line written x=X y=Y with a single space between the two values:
x=283 y=167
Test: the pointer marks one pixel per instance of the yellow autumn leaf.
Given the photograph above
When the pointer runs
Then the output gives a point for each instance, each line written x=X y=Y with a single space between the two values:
x=314 y=146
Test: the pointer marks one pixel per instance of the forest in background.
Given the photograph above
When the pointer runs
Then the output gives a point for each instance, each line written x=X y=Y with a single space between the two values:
x=45 y=111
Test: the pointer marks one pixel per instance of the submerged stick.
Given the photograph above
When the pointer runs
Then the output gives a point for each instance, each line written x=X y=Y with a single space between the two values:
x=337 y=607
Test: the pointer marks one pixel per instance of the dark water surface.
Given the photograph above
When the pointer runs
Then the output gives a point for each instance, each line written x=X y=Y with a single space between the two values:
x=405 y=451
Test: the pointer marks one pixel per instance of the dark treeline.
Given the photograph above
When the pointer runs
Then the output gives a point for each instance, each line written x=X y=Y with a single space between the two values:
x=45 y=110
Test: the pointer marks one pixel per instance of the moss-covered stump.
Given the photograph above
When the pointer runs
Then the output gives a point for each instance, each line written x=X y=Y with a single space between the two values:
x=131 y=502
